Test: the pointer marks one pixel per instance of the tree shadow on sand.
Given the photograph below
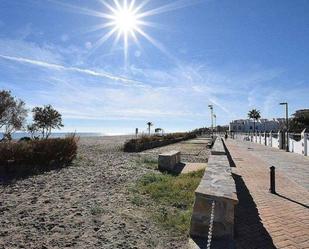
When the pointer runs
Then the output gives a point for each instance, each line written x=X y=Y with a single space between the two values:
x=249 y=230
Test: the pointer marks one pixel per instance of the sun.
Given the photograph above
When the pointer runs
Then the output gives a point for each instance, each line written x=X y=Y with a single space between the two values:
x=126 y=21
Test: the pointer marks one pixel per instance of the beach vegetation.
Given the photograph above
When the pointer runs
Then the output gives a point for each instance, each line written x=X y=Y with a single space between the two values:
x=18 y=159
x=171 y=196
x=149 y=142
x=13 y=114
x=45 y=119
x=96 y=210
x=147 y=162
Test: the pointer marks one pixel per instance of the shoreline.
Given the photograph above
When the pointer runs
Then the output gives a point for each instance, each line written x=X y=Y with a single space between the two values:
x=19 y=135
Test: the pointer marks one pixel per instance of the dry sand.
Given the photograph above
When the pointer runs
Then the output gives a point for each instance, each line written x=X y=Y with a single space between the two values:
x=86 y=205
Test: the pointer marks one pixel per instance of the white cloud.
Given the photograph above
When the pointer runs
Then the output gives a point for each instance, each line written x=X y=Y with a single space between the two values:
x=20 y=48
x=72 y=69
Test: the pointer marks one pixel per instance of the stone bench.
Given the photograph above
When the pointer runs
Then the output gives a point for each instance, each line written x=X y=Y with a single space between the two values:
x=218 y=186
x=168 y=161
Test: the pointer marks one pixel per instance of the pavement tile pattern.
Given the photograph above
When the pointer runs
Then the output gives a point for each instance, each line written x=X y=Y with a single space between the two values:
x=264 y=220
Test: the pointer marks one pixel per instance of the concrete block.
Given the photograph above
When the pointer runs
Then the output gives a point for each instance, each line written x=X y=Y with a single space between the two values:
x=168 y=161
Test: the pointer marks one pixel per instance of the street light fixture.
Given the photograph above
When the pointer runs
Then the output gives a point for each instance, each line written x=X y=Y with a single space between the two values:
x=287 y=123
x=211 y=107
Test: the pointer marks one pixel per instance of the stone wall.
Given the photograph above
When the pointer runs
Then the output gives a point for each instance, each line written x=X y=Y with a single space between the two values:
x=218 y=186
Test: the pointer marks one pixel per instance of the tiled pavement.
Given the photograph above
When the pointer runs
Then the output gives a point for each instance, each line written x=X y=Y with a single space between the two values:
x=264 y=220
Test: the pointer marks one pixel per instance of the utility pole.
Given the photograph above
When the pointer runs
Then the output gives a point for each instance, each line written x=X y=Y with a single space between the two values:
x=211 y=107
x=287 y=124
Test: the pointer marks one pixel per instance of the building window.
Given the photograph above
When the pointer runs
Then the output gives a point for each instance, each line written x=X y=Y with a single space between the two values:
x=239 y=127
x=250 y=127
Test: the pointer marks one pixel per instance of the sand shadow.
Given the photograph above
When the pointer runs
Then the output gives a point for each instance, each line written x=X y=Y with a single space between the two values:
x=249 y=230
x=176 y=171
x=10 y=178
x=178 y=168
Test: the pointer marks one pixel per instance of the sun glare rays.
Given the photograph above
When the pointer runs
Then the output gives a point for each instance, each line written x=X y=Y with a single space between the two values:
x=125 y=21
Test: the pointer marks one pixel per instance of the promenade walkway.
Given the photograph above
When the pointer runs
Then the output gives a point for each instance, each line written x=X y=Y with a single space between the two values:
x=264 y=220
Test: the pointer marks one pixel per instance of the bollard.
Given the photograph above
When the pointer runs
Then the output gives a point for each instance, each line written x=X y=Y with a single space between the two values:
x=272 y=180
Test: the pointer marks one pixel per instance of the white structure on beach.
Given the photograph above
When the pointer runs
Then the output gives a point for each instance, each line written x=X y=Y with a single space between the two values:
x=262 y=125
x=298 y=143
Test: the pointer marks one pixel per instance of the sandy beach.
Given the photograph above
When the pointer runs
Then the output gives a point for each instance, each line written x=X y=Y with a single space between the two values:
x=86 y=205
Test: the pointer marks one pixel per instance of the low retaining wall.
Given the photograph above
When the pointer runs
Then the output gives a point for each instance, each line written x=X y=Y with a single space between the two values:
x=217 y=186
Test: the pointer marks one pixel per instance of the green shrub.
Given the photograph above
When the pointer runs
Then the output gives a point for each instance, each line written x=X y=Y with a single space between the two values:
x=147 y=162
x=149 y=142
x=176 y=191
x=173 y=197
x=27 y=157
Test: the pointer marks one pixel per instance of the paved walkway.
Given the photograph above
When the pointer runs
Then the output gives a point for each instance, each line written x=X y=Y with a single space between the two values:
x=264 y=220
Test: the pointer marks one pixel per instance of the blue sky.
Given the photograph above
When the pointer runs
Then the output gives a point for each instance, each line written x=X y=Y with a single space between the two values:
x=236 y=55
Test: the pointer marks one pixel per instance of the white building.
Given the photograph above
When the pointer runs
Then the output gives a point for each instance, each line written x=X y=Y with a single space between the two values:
x=262 y=125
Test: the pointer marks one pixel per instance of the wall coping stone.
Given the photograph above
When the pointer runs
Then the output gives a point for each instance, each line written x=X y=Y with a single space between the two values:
x=170 y=153
x=169 y=160
x=217 y=180
x=218 y=148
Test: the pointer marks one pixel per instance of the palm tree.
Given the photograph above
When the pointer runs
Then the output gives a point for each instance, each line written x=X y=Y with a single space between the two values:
x=149 y=125
x=255 y=115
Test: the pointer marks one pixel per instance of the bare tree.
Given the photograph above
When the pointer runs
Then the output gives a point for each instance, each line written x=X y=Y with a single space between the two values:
x=45 y=119
x=12 y=114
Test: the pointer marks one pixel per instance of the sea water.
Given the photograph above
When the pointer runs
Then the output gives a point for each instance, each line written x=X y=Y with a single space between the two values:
x=18 y=135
